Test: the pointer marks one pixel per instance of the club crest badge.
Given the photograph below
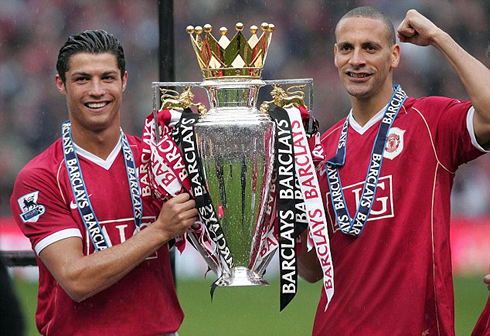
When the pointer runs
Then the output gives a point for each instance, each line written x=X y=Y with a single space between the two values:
x=394 y=143
x=31 y=210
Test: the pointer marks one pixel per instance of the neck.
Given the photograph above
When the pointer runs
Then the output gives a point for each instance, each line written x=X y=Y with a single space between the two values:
x=100 y=143
x=363 y=109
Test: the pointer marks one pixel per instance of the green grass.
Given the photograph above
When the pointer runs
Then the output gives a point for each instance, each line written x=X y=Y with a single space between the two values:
x=255 y=311
x=246 y=310
x=27 y=295
x=470 y=297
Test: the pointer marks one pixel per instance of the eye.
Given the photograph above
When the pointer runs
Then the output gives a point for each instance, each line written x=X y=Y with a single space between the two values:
x=370 y=47
x=345 y=47
x=81 y=79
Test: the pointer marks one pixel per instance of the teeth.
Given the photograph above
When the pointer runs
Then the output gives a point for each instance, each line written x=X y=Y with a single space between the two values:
x=358 y=75
x=96 y=105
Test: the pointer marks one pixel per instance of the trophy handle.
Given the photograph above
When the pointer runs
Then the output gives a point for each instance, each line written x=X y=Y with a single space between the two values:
x=172 y=99
x=292 y=96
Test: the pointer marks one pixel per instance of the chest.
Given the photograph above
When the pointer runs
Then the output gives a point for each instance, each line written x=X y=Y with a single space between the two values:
x=407 y=150
x=108 y=194
x=405 y=171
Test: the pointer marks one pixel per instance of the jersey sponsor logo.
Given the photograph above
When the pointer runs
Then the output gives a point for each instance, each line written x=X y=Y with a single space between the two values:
x=31 y=210
x=382 y=203
x=394 y=143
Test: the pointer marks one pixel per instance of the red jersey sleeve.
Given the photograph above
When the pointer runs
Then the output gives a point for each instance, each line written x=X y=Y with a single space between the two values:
x=448 y=120
x=40 y=208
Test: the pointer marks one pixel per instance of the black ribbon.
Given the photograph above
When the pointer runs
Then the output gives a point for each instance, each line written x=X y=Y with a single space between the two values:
x=198 y=186
x=287 y=201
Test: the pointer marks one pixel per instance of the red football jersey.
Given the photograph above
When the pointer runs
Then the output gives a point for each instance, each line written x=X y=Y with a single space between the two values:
x=396 y=278
x=144 y=301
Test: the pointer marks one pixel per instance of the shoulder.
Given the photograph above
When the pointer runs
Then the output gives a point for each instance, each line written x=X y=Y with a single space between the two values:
x=436 y=104
x=135 y=144
x=133 y=139
x=332 y=131
x=38 y=181
x=44 y=165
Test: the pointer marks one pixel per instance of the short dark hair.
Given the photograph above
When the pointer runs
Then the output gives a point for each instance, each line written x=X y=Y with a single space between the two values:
x=376 y=14
x=91 y=41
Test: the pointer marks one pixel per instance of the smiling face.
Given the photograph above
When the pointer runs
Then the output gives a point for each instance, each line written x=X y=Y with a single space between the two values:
x=93 y=92
x=365 y=58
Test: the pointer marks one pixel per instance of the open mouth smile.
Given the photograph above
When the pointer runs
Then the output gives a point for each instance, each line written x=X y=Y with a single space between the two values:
x=97 y=105
x=358 y=75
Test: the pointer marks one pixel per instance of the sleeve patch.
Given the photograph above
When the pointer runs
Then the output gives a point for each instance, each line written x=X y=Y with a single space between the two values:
x=31 y=210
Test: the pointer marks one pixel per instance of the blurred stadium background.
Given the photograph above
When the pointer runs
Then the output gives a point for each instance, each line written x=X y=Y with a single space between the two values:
x=31 y=112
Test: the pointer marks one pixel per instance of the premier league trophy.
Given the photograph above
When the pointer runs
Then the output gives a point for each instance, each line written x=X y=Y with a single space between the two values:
x=229 y=156
x=235 y=142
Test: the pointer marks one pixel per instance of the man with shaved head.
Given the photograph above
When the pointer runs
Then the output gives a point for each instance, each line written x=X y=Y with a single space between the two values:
x=387 y=181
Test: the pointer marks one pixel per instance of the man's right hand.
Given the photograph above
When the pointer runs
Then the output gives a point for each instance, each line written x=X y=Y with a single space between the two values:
x=176 y=216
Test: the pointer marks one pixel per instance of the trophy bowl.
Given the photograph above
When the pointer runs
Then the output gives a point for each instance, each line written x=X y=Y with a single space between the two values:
x=235 y=142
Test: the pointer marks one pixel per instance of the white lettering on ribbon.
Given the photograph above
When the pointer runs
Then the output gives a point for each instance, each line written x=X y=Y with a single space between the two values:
x=310 y=188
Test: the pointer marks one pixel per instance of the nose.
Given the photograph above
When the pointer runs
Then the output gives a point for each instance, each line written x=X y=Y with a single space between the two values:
x=357 y=59
x=97 y=88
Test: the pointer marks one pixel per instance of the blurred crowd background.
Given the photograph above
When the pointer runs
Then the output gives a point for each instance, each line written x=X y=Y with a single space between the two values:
x=32 y=31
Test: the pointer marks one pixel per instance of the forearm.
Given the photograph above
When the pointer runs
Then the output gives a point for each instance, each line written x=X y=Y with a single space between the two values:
x=475 y=77
x=83 y=276
x=419 y=30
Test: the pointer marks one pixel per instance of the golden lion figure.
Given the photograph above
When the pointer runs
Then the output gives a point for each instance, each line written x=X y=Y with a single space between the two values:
x=293 y=96
x=171 y=99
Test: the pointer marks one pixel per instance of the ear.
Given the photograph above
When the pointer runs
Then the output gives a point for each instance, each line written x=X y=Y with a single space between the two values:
x=395 y=55
x=59 y=84
x=125 y=81
x=335 y=49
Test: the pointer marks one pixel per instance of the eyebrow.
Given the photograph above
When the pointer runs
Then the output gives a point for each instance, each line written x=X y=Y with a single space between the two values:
x=363 y=45
x=344 y=44
x=82 y=73
x=371 y=44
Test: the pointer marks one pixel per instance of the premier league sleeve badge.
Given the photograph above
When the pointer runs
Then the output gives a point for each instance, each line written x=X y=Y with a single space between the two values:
x=31 y=210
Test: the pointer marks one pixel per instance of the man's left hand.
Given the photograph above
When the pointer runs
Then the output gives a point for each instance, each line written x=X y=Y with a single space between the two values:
x=417 y=29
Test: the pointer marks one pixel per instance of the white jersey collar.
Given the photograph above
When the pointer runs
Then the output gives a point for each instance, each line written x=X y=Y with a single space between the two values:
x=361 y=129
x=107 y=163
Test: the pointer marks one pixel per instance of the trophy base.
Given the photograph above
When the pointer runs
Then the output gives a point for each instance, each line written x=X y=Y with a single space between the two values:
x=241 y=276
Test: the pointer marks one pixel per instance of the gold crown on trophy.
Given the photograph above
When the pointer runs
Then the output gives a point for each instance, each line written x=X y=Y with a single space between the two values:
x=233 y=58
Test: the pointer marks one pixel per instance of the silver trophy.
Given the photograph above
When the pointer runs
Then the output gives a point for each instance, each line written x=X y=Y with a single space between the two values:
x=235 y=142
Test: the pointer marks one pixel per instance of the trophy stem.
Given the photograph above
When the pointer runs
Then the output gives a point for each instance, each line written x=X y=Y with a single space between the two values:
x=233 y=93
x=240 y=277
